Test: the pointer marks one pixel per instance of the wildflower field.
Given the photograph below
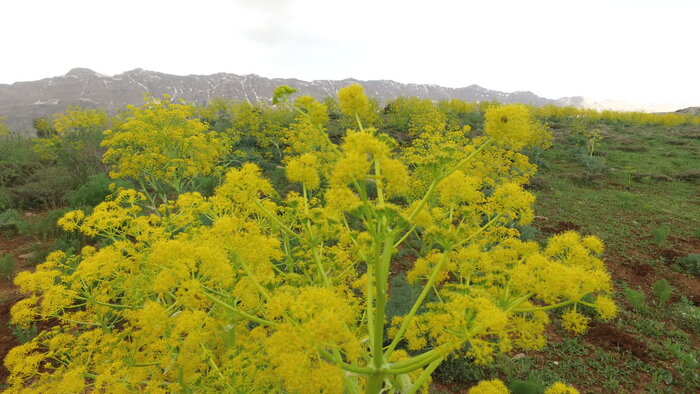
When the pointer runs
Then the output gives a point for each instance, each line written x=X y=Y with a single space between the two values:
x=346 y=246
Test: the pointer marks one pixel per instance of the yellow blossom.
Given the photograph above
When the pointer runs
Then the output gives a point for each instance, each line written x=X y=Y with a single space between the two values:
x=560 y=388
x=304 y=169
x=575 y=322
x=606 y=307
x=494 y=386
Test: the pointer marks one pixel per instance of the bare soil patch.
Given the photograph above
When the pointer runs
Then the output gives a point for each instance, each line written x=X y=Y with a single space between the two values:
x=611 y=338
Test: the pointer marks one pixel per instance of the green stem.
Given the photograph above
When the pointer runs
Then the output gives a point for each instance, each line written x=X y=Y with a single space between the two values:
x=425 y=375
x=400 y=241
x=319 y=263
x=257 y=284
x=381 y=282
x=414 y=363
x=433 y=185
x=380 y=183
x=359 y=122
x=543 y=308
x=424 y=200
x=416 y=305
x=477 y=232
x=375 y=383
x=108 y=305
x=276 y=220
x=241 y=313
x=370 y=303
x=365 y=371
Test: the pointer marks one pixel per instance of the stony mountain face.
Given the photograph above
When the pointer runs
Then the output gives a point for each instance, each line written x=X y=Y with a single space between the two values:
x=689 y=110
x=22 y=102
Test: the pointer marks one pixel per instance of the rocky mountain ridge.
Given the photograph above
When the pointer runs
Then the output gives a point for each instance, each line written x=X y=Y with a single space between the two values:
x=22 y=102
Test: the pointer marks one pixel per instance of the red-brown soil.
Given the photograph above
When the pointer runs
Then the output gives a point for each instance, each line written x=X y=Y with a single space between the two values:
x=611 y=338
x=9 y=294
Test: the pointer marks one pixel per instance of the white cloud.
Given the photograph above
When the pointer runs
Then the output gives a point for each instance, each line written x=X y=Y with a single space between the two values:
x=639 y=51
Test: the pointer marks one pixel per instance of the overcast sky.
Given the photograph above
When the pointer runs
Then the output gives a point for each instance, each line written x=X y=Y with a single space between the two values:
x=645 y=52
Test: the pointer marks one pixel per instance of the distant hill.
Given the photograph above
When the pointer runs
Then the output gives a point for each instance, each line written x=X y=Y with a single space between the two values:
x=689 y=110
x=21 y=102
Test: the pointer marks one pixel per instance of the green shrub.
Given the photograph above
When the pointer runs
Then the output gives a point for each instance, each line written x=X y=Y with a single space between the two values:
x=45 y=188
x=691 y=263
x=90 y=193
x=530 y=386
x=402 y=297
x=461 y=371
x=637 y=300
x=16 y=149
x=69 y=243
x=662 y=291
x=688 y=364
x=528 y=233
x=13 y=174
x=595 y=165
x=23 y=335
x=5 y=199
x=7 y=265
x=625 y=199
x=11 y=222
x=47 y=227
x=660 y=235
x=688 y=316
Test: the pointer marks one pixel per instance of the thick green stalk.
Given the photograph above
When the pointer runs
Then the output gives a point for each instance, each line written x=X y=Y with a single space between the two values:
x=381 y=282
x=415 y=363
x=425 y=375
x=370 y=303
x=424 y=293
x=364 y=371
x=380 y=183
x=375 y=383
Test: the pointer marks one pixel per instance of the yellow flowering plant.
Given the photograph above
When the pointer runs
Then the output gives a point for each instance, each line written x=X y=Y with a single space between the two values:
x=251 y=291
x=75 y=140
x=162 y=147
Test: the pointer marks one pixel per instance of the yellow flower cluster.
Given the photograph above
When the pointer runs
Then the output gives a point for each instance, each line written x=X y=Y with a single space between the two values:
x=78 y=120
x=553 y=112
x=356 y=105
x=560 y=388
x=496 y=386
x=304 y=169
x=162 y=143
x=252 y=291
x=514 y=126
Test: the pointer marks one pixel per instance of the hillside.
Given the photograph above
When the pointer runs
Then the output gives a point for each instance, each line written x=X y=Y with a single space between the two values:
x=21 y=102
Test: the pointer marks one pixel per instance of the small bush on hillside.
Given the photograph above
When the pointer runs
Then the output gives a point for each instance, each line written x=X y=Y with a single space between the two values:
x=5 y=199
x=660 y=235
x=7 y=265
x=23 y=334
x=691 y=263
x=90 y=193
x=688 y=316
x=47 y=227
x=662 y=291
x=45 y=188
x=637 y=300
x=595 y=165
x=11 y=222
